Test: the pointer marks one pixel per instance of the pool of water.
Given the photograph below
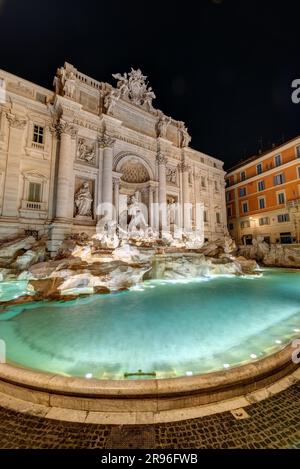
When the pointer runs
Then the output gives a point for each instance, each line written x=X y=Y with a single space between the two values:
x=169 y=329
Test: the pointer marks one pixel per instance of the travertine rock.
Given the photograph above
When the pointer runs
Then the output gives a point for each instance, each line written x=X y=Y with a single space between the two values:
x=83 y=268
x=10 y=248
x=277 y=255
x=46 y=288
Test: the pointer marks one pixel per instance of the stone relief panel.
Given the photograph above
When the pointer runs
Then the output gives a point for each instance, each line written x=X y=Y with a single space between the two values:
x=83 y=198
x=86 y=151
x=171 y=175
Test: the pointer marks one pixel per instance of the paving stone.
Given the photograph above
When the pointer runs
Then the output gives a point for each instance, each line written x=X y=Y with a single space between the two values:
x=272 y=423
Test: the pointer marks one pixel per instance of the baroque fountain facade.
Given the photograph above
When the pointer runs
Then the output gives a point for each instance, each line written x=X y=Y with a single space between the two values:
x=110 y=226
x=84 y=153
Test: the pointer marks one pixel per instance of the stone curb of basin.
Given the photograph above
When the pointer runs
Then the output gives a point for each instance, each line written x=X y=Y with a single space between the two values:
x=146 y=401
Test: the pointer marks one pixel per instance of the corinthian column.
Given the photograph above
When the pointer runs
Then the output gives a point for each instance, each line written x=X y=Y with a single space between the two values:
x=106 y=142
x=116 y=198
x=162 y=191
x=156 y=210
x=15 y=150
x=151 y=208
x=186 y=206
x=64 y=203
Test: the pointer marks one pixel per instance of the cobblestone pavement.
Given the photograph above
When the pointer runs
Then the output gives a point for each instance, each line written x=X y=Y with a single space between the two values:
x=273 y=423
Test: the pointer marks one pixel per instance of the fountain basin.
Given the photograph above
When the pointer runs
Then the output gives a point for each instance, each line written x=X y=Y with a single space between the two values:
x=206 y=340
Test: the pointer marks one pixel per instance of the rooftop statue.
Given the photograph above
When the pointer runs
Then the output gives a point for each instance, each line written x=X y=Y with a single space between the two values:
x=184 y=137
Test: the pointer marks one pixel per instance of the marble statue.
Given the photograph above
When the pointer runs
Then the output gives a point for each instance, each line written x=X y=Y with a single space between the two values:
x=110 y=101
x=70 y=85
x=171 y=211
x=65 y=81
x=148 y=98
x=184 y=137
x=83 y=201
x=162 y=125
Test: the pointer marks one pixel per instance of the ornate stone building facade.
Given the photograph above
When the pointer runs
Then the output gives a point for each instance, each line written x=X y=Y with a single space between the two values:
x=78 y=154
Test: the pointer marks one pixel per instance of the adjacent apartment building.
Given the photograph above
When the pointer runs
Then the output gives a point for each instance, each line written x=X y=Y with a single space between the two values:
x=263 y=196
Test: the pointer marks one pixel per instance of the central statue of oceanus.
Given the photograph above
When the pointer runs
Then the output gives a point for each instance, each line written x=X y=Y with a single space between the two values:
x=137 y=221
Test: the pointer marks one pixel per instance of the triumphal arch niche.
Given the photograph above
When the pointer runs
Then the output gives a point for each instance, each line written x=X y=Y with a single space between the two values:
x=93 y=145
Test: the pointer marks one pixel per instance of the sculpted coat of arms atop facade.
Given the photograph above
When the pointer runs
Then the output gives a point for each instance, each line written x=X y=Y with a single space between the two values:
x=133 y=86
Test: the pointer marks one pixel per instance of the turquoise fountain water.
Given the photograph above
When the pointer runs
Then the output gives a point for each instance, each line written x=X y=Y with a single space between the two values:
x=170 y=328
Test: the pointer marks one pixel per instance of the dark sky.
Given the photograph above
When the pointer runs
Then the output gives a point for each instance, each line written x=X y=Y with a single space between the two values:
x=225 y=67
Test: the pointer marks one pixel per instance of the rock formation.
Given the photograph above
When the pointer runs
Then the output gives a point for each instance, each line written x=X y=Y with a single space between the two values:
x=274 y=255
x=86 y=265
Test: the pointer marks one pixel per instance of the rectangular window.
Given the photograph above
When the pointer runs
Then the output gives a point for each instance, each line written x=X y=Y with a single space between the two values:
x=227 y=181
x=245 y=207
x=216 y=186
x=279 y=179
x=245 y=224
x=286 y=238
x=298 y=151
x=243 y=191
x=281 y=198
x=205 y=216
x=261 y=204
x=298 y=171
x=34 y=192
x=228 y=196
x=38 y=134
x=243 y=176
x=218 y=218
x=261 y=186
x=231 y=226
x=259 y=168
x=229 y=212
x=277 y=160
x=203 y=182
x=283 y=218
x=264 y=221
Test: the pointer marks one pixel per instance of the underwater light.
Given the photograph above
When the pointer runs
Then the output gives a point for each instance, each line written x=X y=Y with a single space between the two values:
x=189 y=373
x=278 y=341
x=253 y=355
x=89 y=375
x=226 y=365
x=296 y=330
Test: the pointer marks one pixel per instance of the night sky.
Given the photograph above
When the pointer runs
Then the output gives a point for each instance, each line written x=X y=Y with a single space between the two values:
x=225 y=67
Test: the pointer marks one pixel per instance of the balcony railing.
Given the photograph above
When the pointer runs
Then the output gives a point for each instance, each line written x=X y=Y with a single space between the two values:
x=28 y=205
x=37 y=146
